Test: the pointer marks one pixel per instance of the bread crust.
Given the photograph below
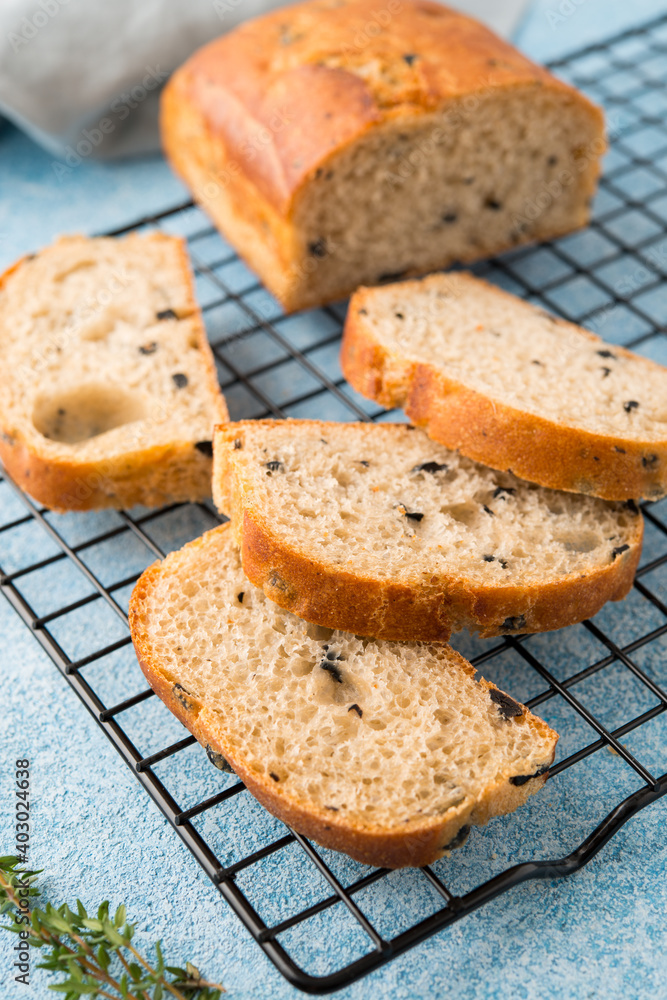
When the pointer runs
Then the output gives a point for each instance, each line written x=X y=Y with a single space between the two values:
x=543 y=451
x=235 y=205
x=251 y=119
x=329 y=596
x=415 y=844
x=151 y=476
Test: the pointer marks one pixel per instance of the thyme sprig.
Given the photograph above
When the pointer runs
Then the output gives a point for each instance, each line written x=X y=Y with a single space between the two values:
x=94 y=953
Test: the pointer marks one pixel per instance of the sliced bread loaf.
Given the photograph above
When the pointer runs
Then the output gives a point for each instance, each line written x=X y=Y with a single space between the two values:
x=108 y=390
x=388 y=752
x=511 y=385
x=375 y=529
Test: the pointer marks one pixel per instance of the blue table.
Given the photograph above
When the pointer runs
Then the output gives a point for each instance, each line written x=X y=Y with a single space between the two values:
x=601 y=934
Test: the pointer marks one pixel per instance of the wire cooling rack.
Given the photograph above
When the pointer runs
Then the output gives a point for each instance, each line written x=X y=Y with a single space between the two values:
x=598 y=683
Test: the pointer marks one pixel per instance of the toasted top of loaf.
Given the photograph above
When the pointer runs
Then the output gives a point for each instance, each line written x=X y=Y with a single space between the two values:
x=103 y=357
x=300 y=84
x=368 y=525
x=382 y=750
x=428 y=343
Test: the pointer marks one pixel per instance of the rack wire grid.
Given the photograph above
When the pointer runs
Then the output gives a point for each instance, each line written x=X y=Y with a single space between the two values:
x=596 y=683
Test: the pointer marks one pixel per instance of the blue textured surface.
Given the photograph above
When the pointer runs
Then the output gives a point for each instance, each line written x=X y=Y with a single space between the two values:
x=599 y=935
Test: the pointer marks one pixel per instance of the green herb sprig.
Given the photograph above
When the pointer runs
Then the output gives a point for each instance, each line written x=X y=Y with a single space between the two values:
x=95 y=954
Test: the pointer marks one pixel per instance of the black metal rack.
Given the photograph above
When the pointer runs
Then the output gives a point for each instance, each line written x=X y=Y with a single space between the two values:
x=608 y=277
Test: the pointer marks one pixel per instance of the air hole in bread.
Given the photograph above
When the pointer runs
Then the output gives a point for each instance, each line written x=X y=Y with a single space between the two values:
x=99 y=327
x=587 y=541
x=465 y=513
x=319 y=632
x=555 y=504
x=85 y=412
x=301 y=667
x=62 y=274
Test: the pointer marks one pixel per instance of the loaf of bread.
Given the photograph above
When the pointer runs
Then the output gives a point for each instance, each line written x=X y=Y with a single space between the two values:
x=375 y=529
x=388 y=752
x=336 y=143
x=108 y=389
x=512 y=386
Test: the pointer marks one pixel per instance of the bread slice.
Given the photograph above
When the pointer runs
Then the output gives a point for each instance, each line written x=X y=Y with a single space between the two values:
x=336 y=144
x=375 y=529
x=512 y=386
x=108 y=389
x=388 y=752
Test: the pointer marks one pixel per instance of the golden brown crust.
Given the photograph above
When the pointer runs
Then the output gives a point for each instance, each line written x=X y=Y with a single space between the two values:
x=253 y=118
x=328 y=596
x=152 y=476
x=414 y=844
x=232 y=201
x=540 y=450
